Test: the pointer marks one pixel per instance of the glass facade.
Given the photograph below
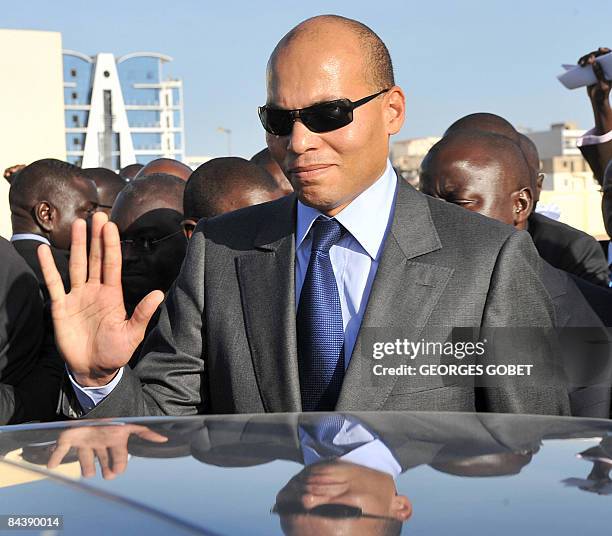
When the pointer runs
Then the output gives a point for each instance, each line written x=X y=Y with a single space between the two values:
x=77 y=80
x=152 y=104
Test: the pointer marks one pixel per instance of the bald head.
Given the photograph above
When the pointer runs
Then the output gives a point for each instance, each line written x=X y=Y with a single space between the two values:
x=377 y=67
x=264 y=159
x=167 y=166
x=130 y=171
x=142 y=195
x=485 y=122
x=485 y=173
x=108 y=183
x=225 y=184
x=321 y=60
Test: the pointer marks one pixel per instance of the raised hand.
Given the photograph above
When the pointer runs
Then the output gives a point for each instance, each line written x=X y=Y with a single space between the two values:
x=92 y=332
x=109 y=444
x=599 y=93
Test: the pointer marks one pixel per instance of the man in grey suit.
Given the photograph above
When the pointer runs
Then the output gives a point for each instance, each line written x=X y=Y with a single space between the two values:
x=274 y=303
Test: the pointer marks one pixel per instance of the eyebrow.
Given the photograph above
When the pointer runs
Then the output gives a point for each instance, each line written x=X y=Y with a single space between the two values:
x=321 y=101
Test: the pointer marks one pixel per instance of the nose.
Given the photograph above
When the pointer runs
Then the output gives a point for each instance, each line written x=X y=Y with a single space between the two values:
x=301 y=139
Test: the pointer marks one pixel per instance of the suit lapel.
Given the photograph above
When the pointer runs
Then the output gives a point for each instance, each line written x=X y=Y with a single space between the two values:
x=267 y=288
x=403 y=295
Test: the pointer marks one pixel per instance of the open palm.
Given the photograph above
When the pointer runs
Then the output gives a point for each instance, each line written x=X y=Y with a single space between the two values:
x=92 y=332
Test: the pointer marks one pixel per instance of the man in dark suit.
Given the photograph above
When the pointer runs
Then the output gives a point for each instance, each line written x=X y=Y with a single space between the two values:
x=487 y=173
x=274 y=303
x=29 y=377
x=45 y=198
x=559 y=244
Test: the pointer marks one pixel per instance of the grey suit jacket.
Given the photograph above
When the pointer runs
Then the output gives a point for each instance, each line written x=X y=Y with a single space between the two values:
x=226 y=337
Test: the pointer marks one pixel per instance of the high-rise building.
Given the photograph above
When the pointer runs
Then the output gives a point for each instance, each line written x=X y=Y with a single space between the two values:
x=119 y=111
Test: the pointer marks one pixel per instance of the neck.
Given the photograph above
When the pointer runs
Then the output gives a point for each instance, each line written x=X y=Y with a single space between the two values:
x=23 y=225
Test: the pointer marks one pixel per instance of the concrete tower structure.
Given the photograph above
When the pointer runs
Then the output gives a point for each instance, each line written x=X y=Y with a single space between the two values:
x=119 y=111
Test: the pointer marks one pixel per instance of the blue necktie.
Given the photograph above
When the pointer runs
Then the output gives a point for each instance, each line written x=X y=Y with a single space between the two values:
x=319 y=324
x=321 y=435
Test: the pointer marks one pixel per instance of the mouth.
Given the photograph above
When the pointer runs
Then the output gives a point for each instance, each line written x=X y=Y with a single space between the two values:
x=310 y=171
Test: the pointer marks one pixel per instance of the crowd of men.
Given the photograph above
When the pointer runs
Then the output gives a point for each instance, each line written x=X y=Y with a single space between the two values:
x=251 y=286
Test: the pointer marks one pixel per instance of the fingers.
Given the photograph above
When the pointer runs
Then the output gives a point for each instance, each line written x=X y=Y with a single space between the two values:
x=78 y=254
x=104 y=460
x=58 y=454
x=111 y=247
x=95 y=248
x=599 y=72
x=119 y=458
x=150 y=435
x=87 y=461
x=52 y=277
x=142 y=314
x=590 y=57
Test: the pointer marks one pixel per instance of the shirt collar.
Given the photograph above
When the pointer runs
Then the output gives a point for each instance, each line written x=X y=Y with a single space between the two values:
x=362 y=217
x=29 y=236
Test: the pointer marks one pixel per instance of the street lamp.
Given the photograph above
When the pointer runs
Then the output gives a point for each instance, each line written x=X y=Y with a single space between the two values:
x=229 y=139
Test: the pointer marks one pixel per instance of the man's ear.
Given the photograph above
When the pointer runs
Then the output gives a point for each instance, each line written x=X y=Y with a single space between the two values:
x=395 y=109
x=45 y=214
x=522 y=206
x=401 y=508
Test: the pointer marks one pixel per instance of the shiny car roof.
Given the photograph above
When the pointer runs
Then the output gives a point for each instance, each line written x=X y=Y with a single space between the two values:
x=456 y=472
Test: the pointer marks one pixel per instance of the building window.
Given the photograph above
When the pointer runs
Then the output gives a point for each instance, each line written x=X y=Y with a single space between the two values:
x=75 y=120
x=74 y=95
x=76 y=141
x=73 y=73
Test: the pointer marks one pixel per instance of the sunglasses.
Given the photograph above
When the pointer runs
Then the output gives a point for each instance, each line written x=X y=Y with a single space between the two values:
x=331 y=511
x=145 y=246
x=321 y=117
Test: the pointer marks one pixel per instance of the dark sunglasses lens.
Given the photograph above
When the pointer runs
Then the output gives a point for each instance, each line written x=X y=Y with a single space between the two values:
x=278 y=122
x=327 y=117
x=336 y=510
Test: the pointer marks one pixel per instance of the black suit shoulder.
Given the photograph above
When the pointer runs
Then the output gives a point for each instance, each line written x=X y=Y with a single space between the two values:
x=21 y=328
x=27 y=249
x=569 y=249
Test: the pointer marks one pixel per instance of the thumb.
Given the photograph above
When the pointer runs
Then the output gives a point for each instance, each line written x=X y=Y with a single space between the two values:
x=143 y=313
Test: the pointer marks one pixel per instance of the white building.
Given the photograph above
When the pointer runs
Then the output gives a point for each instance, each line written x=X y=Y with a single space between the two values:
x=569 y=187
x=31 y=104
x=407 y=155
x=561 y=160
x=119 y=111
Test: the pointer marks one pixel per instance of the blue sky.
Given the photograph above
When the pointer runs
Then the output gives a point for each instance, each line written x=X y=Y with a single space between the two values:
x=451 y=57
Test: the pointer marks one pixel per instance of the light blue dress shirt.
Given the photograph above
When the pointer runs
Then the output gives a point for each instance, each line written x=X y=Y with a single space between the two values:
x=362 y=448
x=354 y=259
x=29 y=236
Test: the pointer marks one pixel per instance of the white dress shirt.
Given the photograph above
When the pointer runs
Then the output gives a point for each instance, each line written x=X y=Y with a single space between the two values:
x=354 y=259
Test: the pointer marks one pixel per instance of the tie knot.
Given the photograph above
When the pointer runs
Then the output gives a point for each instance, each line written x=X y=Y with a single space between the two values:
x=326 y=233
